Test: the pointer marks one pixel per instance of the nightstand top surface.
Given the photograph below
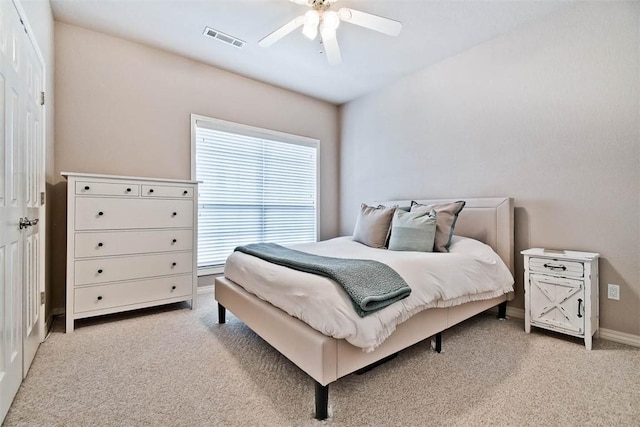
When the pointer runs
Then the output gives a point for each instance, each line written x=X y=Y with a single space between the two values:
x=560 y=254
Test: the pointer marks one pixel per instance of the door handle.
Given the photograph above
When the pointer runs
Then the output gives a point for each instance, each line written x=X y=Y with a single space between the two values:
x=26 y=222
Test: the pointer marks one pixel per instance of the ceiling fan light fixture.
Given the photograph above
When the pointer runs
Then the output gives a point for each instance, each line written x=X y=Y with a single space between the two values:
x=331 y=20
x=327 y=32
x=321 y=19
x=311 y=21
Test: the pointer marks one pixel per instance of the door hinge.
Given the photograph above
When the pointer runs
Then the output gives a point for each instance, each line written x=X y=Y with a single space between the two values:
x=41 y=198
x=41 y=98
x=41 y=297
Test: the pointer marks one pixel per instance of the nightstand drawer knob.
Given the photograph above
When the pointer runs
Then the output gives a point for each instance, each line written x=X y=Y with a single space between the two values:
x=100 y=271
x=173 y=264
x=555 y=267
x=173 y=288
x=185 y=192
x=99 y=298
x=86 y=187
x=174 y=240
x=100 y=244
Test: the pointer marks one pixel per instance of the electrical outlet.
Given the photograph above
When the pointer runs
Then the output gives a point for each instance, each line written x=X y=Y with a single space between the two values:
x=613 y=292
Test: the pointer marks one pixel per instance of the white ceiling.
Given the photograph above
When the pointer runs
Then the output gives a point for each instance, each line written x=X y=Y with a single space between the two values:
x=432 y=31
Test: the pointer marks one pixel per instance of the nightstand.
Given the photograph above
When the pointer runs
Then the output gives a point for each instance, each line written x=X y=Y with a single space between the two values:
x=561 y=292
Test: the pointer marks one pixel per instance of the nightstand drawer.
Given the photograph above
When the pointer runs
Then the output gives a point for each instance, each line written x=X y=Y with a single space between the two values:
x=558 y=267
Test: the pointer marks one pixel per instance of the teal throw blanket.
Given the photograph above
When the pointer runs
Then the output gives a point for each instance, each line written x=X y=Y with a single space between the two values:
x=371 y=285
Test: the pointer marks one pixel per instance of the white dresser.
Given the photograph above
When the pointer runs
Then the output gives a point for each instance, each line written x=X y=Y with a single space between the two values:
x=131 y=243
x=561 y=292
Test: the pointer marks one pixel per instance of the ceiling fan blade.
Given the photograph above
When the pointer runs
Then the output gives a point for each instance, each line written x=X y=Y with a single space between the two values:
x=370 y=21
x=331 y=48
x=282 y=31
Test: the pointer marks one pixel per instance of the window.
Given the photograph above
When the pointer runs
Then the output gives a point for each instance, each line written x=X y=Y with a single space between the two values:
x=256 y=185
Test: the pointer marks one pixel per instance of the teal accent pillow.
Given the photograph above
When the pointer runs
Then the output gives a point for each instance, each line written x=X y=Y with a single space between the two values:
x=447 y=217
x=413 y=231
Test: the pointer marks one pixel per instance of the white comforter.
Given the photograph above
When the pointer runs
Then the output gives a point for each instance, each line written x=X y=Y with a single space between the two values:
x=471 y=271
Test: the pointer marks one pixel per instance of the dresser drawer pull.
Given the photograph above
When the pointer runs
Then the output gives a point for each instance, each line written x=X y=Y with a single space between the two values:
x=100 y=244
x=86 y=187
x=174 y=214
x=185 y=192
x=99 y=298
x=173 y=288
x=128 y=190
x=151 y=190
x=555 y=267
x=173 y=264
x=174 y=241
x=579 y=304
x=100 y=271
x=100 y=213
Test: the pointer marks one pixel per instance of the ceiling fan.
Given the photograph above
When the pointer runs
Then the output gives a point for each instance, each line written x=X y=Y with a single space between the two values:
x=321 y=19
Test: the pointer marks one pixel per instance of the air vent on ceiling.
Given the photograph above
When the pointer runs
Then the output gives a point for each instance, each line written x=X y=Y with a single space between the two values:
x=226 y=38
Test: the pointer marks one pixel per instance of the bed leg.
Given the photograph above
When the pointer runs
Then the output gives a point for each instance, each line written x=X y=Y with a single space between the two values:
x=322 y=401
x=222 y=314
x=502 y=310
x=438 y=342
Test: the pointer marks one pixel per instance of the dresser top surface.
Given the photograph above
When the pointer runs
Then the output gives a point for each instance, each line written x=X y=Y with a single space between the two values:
x=81 y=175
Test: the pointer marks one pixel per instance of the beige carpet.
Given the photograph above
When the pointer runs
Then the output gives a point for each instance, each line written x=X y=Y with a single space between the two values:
x=178 y=367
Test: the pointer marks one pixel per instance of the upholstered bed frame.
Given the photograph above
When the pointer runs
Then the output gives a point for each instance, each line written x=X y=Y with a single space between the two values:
x=325 y=359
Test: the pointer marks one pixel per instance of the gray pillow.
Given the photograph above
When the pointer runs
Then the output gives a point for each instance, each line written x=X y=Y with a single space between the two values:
x=447 y=215
x=373 y=225
x=413 y=231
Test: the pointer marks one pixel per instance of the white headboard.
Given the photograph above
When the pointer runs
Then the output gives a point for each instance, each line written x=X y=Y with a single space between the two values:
x=489 y=220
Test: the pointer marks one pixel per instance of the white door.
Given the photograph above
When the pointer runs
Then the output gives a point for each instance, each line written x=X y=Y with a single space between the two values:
x=21 y=172
x=33 y=155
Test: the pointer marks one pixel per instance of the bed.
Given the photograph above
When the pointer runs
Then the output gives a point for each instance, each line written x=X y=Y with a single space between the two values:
x=326 y=359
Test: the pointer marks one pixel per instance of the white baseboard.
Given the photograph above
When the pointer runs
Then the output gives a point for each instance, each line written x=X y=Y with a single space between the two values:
x=206 y=289
x=620 y=337
x=517 y=313
x=605 y=334
x=48 y=324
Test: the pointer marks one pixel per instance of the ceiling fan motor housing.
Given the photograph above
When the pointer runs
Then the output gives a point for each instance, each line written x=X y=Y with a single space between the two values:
x=320 y=5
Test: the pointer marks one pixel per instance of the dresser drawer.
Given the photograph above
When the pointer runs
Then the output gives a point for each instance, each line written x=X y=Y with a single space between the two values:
x=101 y=213
x=167 y=191
x=97 y=244
x=102 y=270
x=120 y=294
x=558 y=267
x=107 y=189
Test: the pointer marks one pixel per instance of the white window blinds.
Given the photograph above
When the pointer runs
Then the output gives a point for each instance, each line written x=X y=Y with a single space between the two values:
x=256 y=186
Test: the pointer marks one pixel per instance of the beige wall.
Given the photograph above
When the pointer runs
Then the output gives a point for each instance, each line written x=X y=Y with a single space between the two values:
x=40 y=19
x=124 y=108
x=547 y=114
